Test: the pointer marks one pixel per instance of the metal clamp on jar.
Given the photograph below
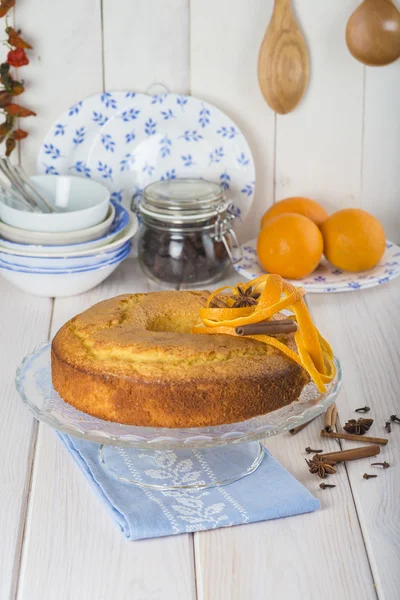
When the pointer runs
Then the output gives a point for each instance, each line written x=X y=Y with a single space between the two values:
x=186 y=233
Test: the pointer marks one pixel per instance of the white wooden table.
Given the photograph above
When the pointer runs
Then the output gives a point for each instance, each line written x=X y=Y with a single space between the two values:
x=57 y=542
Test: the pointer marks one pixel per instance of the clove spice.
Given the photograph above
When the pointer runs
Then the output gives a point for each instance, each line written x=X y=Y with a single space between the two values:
x=363 y=409
x=310 y=450
x=388 y=426
x=368 y=476
x=323 y=485
x=394 y=419
x=385 y=464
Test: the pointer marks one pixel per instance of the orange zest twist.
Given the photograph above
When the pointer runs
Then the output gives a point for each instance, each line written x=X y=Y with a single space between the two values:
x=314 y=353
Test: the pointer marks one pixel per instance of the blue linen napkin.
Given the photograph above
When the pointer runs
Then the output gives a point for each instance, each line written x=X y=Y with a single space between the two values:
x=268 y=493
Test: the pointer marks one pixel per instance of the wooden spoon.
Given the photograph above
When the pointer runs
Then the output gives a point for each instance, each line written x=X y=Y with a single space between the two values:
x=283 y=60
x=373 y=33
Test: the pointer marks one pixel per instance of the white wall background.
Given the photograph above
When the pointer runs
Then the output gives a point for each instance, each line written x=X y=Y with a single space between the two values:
x=340 y=146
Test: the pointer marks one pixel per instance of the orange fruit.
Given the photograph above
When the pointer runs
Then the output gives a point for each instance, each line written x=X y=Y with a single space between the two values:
x=290 y=245
x=301 y=206
x=354 y=240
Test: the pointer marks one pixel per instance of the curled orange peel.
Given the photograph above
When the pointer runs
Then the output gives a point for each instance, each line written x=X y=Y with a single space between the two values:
x=314 y=353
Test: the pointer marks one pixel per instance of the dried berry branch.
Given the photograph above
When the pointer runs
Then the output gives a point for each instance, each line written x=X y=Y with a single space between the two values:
x=16 y=57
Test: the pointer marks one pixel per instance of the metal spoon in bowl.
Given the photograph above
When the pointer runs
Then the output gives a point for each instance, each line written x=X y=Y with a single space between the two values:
x=23 y=185
x=15 y=188
x=9 y=195
x=18 y=185
x=23 y=177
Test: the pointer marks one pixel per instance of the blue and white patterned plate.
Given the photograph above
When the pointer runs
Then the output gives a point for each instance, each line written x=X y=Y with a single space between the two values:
x=169 y=136
x=326 y=278
x=68 y=142
x=129 y=140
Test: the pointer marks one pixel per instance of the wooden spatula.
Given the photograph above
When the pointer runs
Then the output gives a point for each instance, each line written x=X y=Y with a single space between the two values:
x=283 y=60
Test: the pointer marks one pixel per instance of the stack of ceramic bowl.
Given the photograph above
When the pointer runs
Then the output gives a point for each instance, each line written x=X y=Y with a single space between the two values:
x=71 y=250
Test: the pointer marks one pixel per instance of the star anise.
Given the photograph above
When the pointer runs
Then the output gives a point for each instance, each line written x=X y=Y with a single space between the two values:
x=245 y=298
x=358 y=427
x=321 y=466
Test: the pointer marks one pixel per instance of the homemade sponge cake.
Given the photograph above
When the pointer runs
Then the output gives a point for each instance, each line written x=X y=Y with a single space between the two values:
x=133 y=359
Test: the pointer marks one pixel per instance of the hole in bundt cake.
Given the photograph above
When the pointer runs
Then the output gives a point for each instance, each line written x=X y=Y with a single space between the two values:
x=178 y=320
x=172 y=323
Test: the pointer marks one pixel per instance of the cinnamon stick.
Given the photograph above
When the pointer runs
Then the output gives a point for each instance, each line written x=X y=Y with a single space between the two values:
x=353 y=454
x=300 y=427
x=334 y=415
x=328 y=426
x=215 y=303
x=268 y=327
x=354 y=438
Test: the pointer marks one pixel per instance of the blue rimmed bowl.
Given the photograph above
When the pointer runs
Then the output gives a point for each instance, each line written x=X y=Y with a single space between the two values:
x=64 y=282
x=65 y=262
x=51 y=265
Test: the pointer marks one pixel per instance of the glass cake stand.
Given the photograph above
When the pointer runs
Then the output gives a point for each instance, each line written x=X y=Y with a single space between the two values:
x=163 y=458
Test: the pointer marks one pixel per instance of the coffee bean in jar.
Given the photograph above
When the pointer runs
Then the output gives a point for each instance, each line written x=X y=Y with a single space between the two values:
x=186 y=234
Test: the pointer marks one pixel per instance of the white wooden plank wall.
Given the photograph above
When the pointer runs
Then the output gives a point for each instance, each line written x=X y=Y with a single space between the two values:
x=65 y=65
x=146 y=42
x=318 y=147
x=225 y=37
x=381 y=147
x=341 y=145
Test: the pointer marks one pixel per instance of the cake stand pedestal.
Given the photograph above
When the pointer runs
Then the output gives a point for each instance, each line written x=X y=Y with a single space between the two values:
x=162 y=458
x=182 y=468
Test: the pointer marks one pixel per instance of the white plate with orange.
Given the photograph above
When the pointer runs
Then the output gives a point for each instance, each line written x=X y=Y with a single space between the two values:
x=326 y=278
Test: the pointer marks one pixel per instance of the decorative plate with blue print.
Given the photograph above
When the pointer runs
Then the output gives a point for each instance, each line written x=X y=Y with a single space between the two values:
x=326 y=278
x=169 y=136
x=68 y=142
x=127 y=140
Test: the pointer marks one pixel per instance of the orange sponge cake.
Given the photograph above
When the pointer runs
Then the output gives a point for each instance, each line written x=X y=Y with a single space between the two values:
x=133 y=359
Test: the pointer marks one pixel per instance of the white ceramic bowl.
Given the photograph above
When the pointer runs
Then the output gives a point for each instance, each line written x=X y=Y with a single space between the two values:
x=126 y=234
x=86 y=205
x=62 y=284
x=119 y=222
x=22 y=236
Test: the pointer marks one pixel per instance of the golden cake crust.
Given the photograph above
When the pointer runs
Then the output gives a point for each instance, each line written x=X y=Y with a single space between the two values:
x=132 y=359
